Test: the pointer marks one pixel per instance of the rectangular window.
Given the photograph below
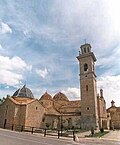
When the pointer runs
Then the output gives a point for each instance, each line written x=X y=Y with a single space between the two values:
x=6 y=110
x=87 y=88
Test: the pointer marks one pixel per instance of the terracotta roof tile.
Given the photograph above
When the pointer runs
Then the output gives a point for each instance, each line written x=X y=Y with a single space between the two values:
x=72 y=104
x=60 y=97
x=46 y=96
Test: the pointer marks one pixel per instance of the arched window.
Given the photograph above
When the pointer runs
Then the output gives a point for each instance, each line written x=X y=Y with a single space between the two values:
x=88 y=49
x=85 y=67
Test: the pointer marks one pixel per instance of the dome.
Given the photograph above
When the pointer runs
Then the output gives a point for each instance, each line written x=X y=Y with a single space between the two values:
x=60 y=97
x=23 y=92
x=46 y=96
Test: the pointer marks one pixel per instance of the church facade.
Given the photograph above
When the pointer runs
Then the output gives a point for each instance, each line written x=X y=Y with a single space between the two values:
x=22 y=109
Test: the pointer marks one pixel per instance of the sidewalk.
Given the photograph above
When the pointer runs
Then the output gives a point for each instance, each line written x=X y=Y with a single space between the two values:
x=83 y=134
x=86 y=133
x=112 y=135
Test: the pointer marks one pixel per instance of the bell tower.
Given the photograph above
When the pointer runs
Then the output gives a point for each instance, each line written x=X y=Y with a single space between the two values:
x=88 y=88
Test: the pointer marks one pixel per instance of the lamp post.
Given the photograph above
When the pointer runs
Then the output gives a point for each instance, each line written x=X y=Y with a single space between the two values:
x=61 y=125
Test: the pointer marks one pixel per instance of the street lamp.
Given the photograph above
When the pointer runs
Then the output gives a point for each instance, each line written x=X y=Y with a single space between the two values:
x=61 y=125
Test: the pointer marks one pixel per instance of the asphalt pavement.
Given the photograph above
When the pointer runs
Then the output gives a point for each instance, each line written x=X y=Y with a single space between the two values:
x=8 y=137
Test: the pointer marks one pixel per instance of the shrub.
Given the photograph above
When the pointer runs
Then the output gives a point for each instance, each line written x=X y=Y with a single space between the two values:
x=47 y=125
x=92 y=130
x=101 y=130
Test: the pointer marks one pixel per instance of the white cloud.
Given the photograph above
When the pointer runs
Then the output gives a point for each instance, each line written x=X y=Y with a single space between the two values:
x=10 y=78
x=1 y=48
x=111 y=87
x=5 y=28
x=13 y=64
x=43 y=73
x=38 y=91
x=5 y=92
x=114 y=10
x=109 y=60
x=12 y=69
x=72 y=93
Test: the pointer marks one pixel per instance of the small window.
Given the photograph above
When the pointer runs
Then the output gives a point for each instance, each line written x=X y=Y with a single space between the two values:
x=85 y=67
x=36 y=108
x=6 y=110
x=88 y=108
x=43 y=119
x=87 y=88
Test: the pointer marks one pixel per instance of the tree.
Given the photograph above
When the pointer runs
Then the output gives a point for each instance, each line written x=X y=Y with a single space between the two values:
x=2 y=100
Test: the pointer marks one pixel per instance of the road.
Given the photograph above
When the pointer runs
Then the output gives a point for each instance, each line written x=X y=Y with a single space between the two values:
x=15 y=138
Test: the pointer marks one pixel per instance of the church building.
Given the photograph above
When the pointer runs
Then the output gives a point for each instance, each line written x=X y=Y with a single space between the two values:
x=53 y=112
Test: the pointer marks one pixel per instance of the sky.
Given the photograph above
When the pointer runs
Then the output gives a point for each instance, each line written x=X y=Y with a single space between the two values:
x=39 y=42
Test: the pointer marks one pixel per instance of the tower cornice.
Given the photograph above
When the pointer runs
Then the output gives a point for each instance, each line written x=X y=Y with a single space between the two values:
x=86 y=55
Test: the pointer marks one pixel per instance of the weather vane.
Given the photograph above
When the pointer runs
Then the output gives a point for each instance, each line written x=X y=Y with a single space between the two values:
x=85 y=41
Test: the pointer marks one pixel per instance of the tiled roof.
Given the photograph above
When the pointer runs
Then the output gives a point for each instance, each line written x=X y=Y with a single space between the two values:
x=60 y=97
x=46 y=96
x=118 y=109
x=72 y=104
x=21 y=101
x=52 y=111
x=23 y=92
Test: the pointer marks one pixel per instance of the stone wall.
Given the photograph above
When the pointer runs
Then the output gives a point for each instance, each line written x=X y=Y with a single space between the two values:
x=34 y=114
x=102 y=113
x=115 y=117
x=7 y=110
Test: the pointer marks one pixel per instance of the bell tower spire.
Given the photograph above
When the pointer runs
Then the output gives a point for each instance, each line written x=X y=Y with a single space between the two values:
x=88 y=89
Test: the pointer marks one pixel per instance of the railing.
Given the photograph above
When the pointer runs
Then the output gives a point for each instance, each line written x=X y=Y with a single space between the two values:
x=45 y=131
